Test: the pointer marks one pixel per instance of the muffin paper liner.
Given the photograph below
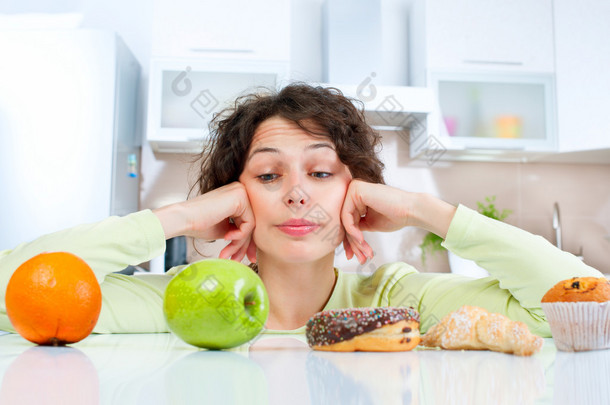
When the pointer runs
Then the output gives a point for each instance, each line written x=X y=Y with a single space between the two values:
x=579 y=326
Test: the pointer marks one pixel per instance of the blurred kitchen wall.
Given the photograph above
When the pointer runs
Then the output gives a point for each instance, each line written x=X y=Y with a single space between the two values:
x=529 y=189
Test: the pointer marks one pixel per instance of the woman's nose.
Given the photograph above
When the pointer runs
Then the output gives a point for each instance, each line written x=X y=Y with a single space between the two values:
x=296 y=197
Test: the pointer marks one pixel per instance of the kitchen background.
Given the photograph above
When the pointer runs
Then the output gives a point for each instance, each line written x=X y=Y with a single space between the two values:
x=575 y=53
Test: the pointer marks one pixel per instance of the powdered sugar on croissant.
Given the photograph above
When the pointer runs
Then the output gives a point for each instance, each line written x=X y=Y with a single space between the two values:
x=476 y=329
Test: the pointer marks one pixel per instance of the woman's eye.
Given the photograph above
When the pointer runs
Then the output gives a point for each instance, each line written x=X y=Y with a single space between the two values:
x=321 y=175
x=265 y=178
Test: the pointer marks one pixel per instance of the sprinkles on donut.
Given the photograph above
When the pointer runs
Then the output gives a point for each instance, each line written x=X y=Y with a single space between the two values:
x=364 y=329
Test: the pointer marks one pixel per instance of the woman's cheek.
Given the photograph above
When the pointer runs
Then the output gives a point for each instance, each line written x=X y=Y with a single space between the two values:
x=334 y=231
x=256 y=238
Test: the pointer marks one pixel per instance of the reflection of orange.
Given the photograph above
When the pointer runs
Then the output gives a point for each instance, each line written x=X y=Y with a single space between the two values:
x=53 y=299
x=50 y=375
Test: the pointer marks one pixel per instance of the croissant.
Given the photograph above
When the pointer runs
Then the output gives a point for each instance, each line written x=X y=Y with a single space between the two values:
x=473 y=328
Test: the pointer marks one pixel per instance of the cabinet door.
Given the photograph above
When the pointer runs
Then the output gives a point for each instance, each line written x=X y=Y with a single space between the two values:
x=184 y=95
x=490 y=35
x=224 y=29
x=583 y=74
x=496 y=112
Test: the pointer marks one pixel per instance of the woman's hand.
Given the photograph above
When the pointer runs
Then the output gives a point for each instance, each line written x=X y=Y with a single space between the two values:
x=221 y=213
x=381 y=208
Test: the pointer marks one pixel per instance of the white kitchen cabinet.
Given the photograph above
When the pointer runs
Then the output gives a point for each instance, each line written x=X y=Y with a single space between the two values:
x=507 y=116
x=582 y=35
x=184 y=95
x=491 y=68
x=238 y=29
x=481 y=35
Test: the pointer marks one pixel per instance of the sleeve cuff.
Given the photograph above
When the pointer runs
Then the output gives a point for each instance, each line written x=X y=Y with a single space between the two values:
x=152 y=231
x=458 y=228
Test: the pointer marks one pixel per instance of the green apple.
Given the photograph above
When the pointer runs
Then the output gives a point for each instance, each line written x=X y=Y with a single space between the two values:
x=216 y=304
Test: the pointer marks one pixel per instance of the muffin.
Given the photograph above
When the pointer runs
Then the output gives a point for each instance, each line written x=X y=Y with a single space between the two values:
x=578 y=311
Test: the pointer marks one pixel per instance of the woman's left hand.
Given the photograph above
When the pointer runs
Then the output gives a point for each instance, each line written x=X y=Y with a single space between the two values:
x=372 y=207
x=382 y=208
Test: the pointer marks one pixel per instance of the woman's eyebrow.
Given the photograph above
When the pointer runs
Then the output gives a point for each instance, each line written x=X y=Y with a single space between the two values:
x=265 y=149
x=320 y=145
x=268 y=149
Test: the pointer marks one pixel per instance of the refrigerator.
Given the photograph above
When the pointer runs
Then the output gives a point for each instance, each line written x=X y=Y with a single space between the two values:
x=68 y=144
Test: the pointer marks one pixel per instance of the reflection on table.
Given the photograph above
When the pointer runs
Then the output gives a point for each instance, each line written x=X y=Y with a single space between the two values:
x=160 y=369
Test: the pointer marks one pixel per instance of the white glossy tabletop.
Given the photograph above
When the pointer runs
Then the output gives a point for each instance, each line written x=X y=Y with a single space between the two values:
x=160 y=369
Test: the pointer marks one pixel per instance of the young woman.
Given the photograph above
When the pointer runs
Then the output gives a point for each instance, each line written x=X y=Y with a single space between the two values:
x=286 y=178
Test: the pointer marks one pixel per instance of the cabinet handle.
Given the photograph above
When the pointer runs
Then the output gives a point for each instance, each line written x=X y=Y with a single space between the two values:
x=492 y=62
x=496 y=148
x=221 y=50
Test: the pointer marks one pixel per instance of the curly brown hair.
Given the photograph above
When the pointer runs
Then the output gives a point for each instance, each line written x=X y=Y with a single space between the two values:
x=231 y=131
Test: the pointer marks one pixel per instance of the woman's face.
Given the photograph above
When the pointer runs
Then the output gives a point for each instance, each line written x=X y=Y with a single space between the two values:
x=296 y=185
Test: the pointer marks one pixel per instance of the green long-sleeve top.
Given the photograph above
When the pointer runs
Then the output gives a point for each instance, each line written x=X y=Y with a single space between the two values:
x=522 y=268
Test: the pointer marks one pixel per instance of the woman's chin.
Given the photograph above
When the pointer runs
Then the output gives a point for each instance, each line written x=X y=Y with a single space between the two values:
x=298 y=254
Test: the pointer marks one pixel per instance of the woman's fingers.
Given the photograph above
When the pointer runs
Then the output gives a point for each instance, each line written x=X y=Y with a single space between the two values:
x=350 y=217
x=349 y=242
x=251 y=251
x=351 y=214
x=240 y=228
x=347 y=247
x=229 y=250
x=241 y=252
x=236 y=250
x=362 y=251
x=233 y=234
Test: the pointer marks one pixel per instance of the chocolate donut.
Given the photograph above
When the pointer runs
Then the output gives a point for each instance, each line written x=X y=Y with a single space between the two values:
x=382 y=329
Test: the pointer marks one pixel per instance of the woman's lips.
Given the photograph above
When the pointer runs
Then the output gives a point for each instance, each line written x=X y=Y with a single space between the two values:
x=298 y=227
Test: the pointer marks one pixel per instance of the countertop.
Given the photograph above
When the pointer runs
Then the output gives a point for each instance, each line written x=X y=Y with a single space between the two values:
x=276 y=369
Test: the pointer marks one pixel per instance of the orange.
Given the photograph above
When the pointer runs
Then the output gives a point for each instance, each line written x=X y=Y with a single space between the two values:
x=53 y=299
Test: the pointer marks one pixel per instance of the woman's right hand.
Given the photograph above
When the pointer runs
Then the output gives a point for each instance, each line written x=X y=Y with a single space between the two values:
x=223 y=213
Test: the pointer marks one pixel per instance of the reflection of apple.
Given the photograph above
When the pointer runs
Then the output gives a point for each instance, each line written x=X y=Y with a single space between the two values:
x=50 y=375
x=216 y=304
x=216 y=377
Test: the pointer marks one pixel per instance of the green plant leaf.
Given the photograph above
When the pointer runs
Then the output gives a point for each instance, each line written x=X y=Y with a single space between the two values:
x=430 y=245
x=490 y=210
x=432 y=242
